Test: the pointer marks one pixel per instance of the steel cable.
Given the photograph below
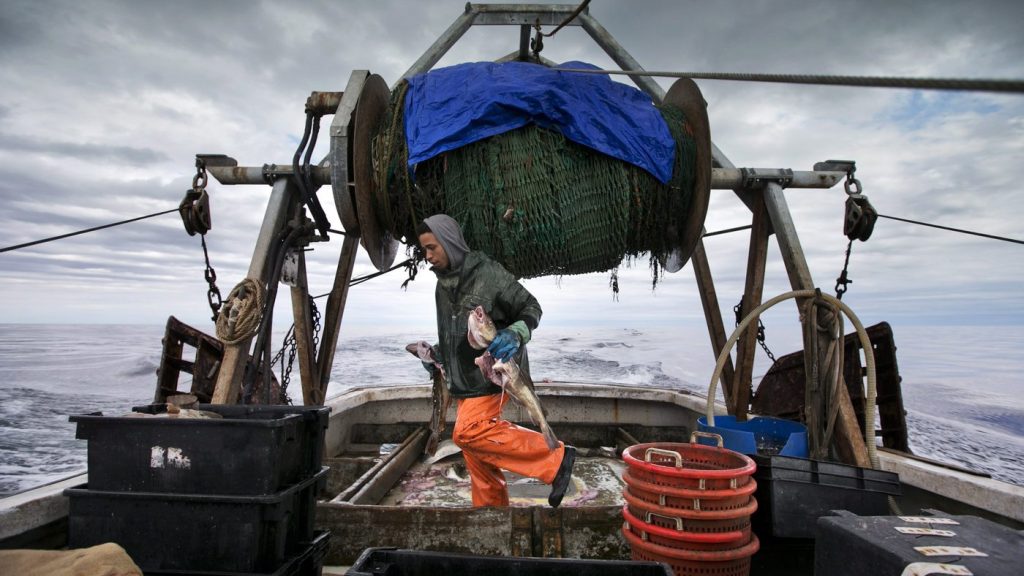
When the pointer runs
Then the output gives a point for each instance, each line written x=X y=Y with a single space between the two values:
x=983 y=235
x=70 y=234
x=971 y=84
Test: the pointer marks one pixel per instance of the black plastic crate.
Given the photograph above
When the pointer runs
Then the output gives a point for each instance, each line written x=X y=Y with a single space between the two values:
x=309 y=562
x=395 y=562
x=167 y=531
x=851 y=545
x=251 y=450
x=792 y=493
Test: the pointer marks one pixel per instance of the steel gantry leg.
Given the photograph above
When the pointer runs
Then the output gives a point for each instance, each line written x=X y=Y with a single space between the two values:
x=282 y=197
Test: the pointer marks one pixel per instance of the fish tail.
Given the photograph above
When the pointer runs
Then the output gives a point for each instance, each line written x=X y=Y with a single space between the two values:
x=549 y=437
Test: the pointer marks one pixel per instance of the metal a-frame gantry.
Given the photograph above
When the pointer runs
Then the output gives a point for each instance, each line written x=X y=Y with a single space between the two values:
x=761 y=190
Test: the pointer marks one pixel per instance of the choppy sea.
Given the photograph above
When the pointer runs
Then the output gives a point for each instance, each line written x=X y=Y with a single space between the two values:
x=962 y=385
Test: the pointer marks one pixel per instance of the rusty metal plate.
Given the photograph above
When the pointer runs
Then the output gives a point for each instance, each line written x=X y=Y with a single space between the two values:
x=371 y=110
x=781 y=390
x=685 y=95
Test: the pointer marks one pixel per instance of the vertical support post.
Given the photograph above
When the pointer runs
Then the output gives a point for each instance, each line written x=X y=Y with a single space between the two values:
x=712 y=312
x=304 y=336
x=335 y=311
x=229 y=379
x=848 y=439
x=789 y=243
x=756 y=258
x=524 y=42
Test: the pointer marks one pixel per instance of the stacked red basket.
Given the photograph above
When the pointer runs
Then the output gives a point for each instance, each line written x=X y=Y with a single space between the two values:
x=689 y=506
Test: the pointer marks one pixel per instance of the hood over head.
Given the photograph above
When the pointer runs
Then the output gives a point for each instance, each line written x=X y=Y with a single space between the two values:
x=449 y=234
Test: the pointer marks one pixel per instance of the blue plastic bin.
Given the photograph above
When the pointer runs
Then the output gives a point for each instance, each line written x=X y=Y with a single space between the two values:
x=762 y=435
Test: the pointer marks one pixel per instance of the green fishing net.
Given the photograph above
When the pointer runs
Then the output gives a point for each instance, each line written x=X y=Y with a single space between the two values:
x=535 y=201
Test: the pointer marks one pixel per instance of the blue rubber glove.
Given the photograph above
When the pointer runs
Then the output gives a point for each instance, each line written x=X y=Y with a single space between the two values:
x=504 y=345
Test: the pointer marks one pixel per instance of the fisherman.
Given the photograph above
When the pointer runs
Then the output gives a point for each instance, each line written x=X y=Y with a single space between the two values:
x=467 y=279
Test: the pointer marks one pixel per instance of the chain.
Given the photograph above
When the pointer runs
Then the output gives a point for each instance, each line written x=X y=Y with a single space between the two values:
x=289 y=345
x=843 y=282
x=738 y=309
x=195 y=215
x=316 y=322
x=760 y=340
x=286 y=369
x=212 y=293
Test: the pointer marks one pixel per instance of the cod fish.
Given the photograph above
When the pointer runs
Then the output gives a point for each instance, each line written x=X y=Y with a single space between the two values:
x=516 y=383
x=440 y=398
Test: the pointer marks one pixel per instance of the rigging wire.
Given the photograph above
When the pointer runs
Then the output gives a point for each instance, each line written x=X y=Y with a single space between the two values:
x=727 y=231
x=568 y=19
x=1003 y=238
x=972 y=84
x=361 y=279
x=70 y=234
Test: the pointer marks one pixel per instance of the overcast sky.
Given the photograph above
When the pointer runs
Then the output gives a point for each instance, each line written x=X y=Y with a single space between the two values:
x=103 y=105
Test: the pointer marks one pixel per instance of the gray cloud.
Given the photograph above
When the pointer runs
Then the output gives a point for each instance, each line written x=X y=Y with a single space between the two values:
x=105 y=104
x=81 y=150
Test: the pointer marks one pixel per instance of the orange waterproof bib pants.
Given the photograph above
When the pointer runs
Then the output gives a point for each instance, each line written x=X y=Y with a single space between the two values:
x=490 y=444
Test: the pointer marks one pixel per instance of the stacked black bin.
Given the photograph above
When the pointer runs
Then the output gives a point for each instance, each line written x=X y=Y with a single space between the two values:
x=232 y=495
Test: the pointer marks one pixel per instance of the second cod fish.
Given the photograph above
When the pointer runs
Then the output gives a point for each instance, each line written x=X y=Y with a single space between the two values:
x=515 y=382
x=440 y=397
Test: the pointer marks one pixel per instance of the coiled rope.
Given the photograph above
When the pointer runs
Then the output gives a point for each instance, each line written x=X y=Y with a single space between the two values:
x=240 y=316
x=865 y=343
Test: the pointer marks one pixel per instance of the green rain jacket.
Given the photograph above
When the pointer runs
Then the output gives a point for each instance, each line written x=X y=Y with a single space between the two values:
x=480 y=281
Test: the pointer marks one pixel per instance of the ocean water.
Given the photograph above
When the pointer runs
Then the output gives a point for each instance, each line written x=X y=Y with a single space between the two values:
x=962 y=385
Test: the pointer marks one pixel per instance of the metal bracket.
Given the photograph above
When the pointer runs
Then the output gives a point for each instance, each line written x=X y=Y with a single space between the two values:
x=215 y=160
x=848 y=166
x=290 y=268
x=757 y=177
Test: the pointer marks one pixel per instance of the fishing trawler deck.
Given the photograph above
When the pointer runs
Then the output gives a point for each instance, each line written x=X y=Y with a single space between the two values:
x=380 y=475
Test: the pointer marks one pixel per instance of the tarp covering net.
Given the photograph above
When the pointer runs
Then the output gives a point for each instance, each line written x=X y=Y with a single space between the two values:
x=533 y=197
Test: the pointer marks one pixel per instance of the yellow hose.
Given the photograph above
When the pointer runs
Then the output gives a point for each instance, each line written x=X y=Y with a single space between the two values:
x=865 y=342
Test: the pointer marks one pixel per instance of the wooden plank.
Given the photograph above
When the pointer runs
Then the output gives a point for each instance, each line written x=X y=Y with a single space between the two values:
x=335 y=311
x=354 y=528
x=311 y=392
x=170 y=364
x=789 y=242
x=229 y=380
x=757 y=256
x=847 y=429
x=389 y=474
x=372 y=486
x=712 y=312
x=848 y=440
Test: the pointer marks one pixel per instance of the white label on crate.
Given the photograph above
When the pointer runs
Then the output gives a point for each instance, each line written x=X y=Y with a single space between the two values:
x=156 y=457
x=948 y=551
x=924 y=568
x=925 y=531
x=177 y=459
x=928 y=520
x=160 y=457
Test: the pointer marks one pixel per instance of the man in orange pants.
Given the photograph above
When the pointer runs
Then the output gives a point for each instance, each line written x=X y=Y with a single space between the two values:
x=467 y=279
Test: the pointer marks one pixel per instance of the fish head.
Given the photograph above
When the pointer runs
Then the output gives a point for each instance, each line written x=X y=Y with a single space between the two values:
x=480 y=330
x=422 y=350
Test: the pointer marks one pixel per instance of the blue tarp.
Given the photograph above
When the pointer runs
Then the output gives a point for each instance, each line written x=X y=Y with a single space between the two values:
x=450 y=107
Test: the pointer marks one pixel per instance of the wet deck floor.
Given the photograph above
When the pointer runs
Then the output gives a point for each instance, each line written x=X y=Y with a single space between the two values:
x=596 y=481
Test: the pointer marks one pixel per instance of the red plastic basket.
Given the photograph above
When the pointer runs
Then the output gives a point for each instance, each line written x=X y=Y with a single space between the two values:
x=704 y=500
x=675 y=536
x=732 y=562
x=692 y=520
x=690 y=466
